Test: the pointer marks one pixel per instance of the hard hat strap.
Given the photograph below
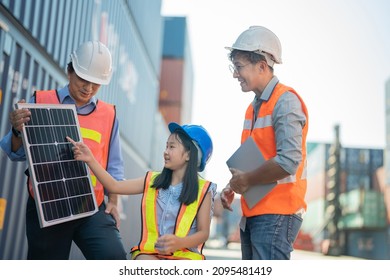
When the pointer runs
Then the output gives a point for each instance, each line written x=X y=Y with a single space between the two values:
x=199 y=152
x=268 y=57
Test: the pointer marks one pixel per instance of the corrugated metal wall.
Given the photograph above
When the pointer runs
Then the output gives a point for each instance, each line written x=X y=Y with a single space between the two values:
x=24 y=68
x=36 y=39
x=150 y=25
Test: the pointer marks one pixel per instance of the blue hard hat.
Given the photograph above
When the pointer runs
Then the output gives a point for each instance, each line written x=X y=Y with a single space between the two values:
x=200 y=136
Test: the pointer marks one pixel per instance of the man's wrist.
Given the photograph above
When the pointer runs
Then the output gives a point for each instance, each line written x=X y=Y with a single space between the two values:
x=16 y=132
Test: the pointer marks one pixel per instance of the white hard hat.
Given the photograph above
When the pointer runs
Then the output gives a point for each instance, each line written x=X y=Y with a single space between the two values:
x=92 y=62
x=260 y=40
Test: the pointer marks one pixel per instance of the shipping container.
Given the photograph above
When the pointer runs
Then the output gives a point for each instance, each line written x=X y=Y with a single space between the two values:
x=355 y=181
x=376 y=159
x=362 y=209
x=358 y=169
x=316 y=153
x=364 y=199
x=176 y=83
x=356 y=161
x=170 y=102
x=368 y=244
x=36 y=39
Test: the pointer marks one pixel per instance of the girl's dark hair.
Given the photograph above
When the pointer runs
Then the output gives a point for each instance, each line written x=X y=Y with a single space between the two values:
x=252 y=57
x=189 y=192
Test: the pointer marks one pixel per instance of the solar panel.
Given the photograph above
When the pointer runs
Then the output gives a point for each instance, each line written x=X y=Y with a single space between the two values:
x=62 y=185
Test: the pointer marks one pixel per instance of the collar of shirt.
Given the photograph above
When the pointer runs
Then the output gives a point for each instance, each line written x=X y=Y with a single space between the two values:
x=268 y=90
x=264 y=97
x=66 y=98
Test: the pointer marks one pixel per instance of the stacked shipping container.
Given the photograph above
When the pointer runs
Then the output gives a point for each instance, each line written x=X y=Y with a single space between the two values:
x=36 y=39
x=362 y=200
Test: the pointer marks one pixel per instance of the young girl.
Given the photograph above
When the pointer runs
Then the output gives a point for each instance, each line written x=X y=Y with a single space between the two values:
x=177 y=203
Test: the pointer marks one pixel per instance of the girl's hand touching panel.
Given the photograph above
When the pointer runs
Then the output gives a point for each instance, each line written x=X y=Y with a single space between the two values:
x=81 y=151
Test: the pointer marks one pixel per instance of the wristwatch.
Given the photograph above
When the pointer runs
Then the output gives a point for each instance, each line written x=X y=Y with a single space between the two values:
x=17 y=133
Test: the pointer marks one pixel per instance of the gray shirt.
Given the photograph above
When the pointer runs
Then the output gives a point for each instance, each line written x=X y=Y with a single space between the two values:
x=288 y=120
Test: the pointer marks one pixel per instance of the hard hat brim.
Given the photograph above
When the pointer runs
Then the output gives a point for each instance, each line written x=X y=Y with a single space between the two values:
x=268 y=57
x=92 y=79
x=240 y=49
x=173 y=126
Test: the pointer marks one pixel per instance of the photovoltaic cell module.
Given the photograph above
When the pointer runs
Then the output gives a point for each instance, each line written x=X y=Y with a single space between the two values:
x=62 y=185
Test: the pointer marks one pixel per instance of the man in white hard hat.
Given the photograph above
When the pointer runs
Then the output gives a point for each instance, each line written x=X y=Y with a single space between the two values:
x=97 y=236
x=277 y=120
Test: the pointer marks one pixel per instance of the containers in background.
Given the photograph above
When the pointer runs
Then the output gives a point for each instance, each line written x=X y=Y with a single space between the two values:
x=368 y=244
x=364 y=201
x=362 y=209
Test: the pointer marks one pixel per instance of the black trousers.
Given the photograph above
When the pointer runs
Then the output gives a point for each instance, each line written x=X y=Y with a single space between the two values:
x=97 y=237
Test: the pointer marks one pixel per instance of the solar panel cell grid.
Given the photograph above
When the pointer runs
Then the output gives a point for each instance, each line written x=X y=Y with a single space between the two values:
x=62 y=186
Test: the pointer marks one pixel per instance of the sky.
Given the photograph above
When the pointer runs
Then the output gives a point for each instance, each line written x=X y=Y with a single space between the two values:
x=336 y=55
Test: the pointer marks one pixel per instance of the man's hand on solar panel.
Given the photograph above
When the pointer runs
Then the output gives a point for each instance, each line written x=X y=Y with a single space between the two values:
x=19 y=116
x=81 y=151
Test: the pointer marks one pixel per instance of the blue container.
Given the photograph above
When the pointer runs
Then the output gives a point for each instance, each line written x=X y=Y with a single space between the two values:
x=372 y=245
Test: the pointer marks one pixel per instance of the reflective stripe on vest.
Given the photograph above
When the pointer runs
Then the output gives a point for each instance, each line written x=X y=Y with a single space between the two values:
x=91 y=134
x=96 y=137
x=288 y=195
x=95 y=129
x=184 y=220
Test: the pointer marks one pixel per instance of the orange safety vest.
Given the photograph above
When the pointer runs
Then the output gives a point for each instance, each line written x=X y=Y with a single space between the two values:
x=184 y=220
x=95 y=128
x=288 y=195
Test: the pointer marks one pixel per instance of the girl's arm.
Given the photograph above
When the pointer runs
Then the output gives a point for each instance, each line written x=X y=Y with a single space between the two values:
x=83 y=153
x=169 y=243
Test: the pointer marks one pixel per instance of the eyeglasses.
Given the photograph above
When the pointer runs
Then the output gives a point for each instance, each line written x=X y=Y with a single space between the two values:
x=237 y=68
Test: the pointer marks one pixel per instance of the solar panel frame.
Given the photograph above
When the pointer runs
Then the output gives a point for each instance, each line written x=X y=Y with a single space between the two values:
x=62 y=186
